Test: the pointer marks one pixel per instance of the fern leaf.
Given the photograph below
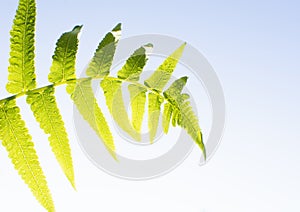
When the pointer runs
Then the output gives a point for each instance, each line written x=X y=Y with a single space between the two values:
x=154 y=103
x=137 y=102
x=17 y=141
x=21 y=69
x=131 y=71
x=63 y=69
x=167 y=116
x=103 y=57
x=176 y=117
x=113 y=92
x=83 y=96
x=189 y=121
x=43 y=104
x=134 y=64
x=63 y=65
x=183 y=114
x=104 y=130
x=176 y=88
x=162 y=75
x=114 y=100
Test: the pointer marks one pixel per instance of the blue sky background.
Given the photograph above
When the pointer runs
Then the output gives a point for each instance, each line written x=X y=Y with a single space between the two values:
x=254 y=47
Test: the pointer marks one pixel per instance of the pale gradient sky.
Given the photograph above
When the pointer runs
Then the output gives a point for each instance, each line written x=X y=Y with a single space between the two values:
x=254 y=47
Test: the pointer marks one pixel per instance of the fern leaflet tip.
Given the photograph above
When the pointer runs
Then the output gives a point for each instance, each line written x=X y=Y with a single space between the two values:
x=118 y=27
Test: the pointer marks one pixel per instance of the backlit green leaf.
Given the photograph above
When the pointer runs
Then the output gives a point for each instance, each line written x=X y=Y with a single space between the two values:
x=167 y=116
x=154 y=103
x=21 y=63
x=162 y=75
x=134 y=65
x=63 y=65
x=18 y=143
x=138 y=100
x=114 y=101
x=183 y=114
x=113 y=93
x=103 y=57
x=83 y=96
x=46 y=112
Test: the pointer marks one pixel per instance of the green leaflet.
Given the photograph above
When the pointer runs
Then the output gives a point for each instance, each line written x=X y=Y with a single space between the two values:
x=171 y=109
x=175 y=89
x=154 y=103
x=176 y=117
x=183 y=114
x=157 y=81
x=21 y=63
x=167 y=116
x=63 y=69
x=162 y=75
x=173 y=94
x=17 y=141
x=104 y=131
x=103 y=57
x=189 y=121
x=138 y=100
x=46 y=112
x=131 y=71
x=114 y=100
x=63 y=65
x=113 y=93
x=134 y=65
x=83 y=96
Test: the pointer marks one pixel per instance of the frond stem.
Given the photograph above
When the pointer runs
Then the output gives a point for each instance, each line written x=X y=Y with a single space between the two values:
x=24 y=93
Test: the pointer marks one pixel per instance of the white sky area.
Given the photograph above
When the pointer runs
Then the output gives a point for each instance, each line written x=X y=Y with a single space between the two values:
x=254 y=48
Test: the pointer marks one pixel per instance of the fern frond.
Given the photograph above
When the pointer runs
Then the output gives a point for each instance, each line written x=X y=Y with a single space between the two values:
x=162 y=75
x=83 y=96
x=17 y=141
x=43 y=104
x=63 y=65
x=137 y=102
x=114 y=100
x=103 y=57
x=22 y=81
x=21 y=63
x=154 y=103
x=183 y=114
